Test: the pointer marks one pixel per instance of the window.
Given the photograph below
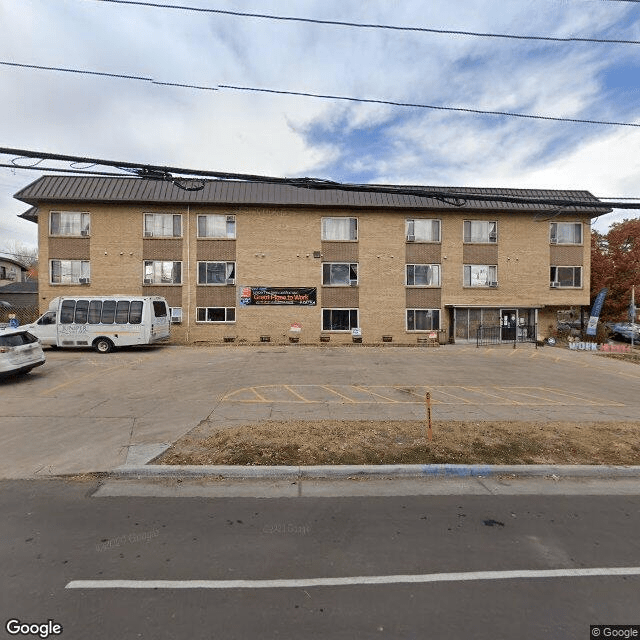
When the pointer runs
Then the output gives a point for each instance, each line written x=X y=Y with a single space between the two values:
x=216 y=273
x=162 y=272
x=479 y=231
x=162 y=225
x=423 y=275
x=70 y=271
x=566 y=277
x=339 y=274
x=340 y=229
x=339 y=319
x=216 y=226
x=565 y=233
x=101 y=312
x=480 y=275
x=422 y=230
x=69 y=223
x=423 y=319
x=215 y=314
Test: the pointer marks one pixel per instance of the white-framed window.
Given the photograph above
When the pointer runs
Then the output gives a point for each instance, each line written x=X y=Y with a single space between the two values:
x=221 y=226
x=339 y=274
x=565 y=233
x=423 y=275
x=216 y=273
x=69 y=223
x=423 y=319
x=339 y=319
x=480 y=275
x=418 y=230
x=480 y=231
x=560 y=277
x=216 y=314
x=162 y=225
x=162 y=272
x=345 y=229
x=69 y=271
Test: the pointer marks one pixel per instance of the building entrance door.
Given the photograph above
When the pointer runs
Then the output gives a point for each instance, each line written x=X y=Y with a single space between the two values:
x=508 y=324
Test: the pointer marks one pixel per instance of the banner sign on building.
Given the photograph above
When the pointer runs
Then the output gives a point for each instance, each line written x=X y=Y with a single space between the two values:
x=595 y=312
x=305 y=296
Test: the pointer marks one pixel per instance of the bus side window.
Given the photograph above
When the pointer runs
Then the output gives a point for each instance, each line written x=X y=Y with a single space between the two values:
x=67 y=311
x=108 y=311
x=135 y=312
x=82 y=309
x=159 y=309
x=95 y=311
x=122 y=312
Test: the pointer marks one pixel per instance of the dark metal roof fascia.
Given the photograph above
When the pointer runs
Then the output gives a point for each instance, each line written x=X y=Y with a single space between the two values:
x=31 y=214
x=131 y=189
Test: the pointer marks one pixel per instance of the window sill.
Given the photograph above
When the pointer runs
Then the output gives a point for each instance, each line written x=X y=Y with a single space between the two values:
x=214 y=238
x=59 y=235
x=423 y=241
x=215 y=322
x=423 y=286
x=224 y=284
x=341 y=286
x=161 y=284
x=487 y=242
x=325 y=240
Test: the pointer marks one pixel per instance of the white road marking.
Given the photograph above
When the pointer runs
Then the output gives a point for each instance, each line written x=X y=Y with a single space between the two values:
x=303 y=583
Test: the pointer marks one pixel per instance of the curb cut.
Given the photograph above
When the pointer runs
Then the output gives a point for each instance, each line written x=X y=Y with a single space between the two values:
x=375 y=471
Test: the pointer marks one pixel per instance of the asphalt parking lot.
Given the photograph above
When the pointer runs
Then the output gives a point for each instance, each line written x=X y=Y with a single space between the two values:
x=82 y=412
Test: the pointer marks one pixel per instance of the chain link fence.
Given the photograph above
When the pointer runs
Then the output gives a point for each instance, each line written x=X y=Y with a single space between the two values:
x=24 y=315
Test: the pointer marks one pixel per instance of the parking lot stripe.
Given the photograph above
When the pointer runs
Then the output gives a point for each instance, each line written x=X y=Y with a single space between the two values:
x=299 y=583
x=373 y=393
x=323 y=386
x=288 y=388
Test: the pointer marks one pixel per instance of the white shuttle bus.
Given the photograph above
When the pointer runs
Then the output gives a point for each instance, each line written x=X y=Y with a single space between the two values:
x=103 y=322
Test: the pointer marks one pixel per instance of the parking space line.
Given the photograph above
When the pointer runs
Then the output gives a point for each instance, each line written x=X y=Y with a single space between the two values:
x=337 y=393
x=491 y=395
x=260 y=398
x=373 y=393
x=288 y=388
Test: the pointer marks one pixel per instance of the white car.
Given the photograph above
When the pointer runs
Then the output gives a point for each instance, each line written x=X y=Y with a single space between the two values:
x=19 y=351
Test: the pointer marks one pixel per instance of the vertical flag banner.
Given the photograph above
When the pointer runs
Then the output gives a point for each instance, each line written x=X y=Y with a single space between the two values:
x=595 y=312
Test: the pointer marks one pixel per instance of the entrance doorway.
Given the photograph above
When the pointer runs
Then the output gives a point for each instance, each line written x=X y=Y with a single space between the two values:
x=508 y=324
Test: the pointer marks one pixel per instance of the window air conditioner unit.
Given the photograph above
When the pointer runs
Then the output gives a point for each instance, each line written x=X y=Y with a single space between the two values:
x=493 y=237
x=493 y=284
x=147 y=281
x=553 y=240
x=555 y=285
x=353 y=283
x=231 y=218
x=176 y=315
x=231 y=280
x=84 y=232
x=84 y=280
x=411 y=238
x=148 y=234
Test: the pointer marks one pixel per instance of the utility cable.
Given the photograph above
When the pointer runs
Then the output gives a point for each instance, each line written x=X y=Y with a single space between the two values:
x=361 y=25
x=510 y=114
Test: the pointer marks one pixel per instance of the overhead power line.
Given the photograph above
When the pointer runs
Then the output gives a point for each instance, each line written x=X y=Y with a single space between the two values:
x=363 y=25
x=305 y=94
x=448 y=196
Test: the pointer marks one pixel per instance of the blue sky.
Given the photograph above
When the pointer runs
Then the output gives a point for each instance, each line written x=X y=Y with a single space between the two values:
x=295 y=136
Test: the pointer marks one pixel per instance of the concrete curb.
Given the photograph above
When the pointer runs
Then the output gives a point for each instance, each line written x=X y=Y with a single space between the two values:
x=374 y=471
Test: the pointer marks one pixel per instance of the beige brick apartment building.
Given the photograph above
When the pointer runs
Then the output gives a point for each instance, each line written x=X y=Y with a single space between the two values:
x=251 y=261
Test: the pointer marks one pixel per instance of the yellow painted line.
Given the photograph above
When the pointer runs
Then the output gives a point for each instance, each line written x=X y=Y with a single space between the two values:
x=288 y=388
x=518 y=390
x=581 y=399
x=417 y=395
x=260 y=398
x=453 y=395
x=322 y=386
x=373 y=393
x=491 y=395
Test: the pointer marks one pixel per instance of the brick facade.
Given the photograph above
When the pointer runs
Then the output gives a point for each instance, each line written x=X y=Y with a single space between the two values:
x=277 y=246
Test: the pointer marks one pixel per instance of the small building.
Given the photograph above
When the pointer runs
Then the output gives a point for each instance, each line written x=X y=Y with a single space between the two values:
x=253 y=261
x=20 y=294
x=11 y=271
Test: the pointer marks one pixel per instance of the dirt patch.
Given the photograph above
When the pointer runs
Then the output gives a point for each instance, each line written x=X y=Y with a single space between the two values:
x=325 y=442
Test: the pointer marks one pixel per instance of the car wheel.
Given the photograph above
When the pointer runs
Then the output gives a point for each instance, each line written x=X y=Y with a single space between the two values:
x=103 y=345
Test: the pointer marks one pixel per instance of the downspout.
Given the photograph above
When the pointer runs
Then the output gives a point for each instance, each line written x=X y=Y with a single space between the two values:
x=188 y=274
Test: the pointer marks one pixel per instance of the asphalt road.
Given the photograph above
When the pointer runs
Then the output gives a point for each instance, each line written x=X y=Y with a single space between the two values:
x=55 y=533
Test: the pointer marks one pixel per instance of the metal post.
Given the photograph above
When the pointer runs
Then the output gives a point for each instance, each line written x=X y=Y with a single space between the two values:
x=428 y=403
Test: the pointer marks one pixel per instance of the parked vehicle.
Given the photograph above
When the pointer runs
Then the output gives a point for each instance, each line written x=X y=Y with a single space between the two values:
x=103 y=322
x=20 y=351
x=625 y=331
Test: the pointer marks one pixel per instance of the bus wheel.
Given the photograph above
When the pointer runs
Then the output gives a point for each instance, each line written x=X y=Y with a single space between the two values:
x=103 y=345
